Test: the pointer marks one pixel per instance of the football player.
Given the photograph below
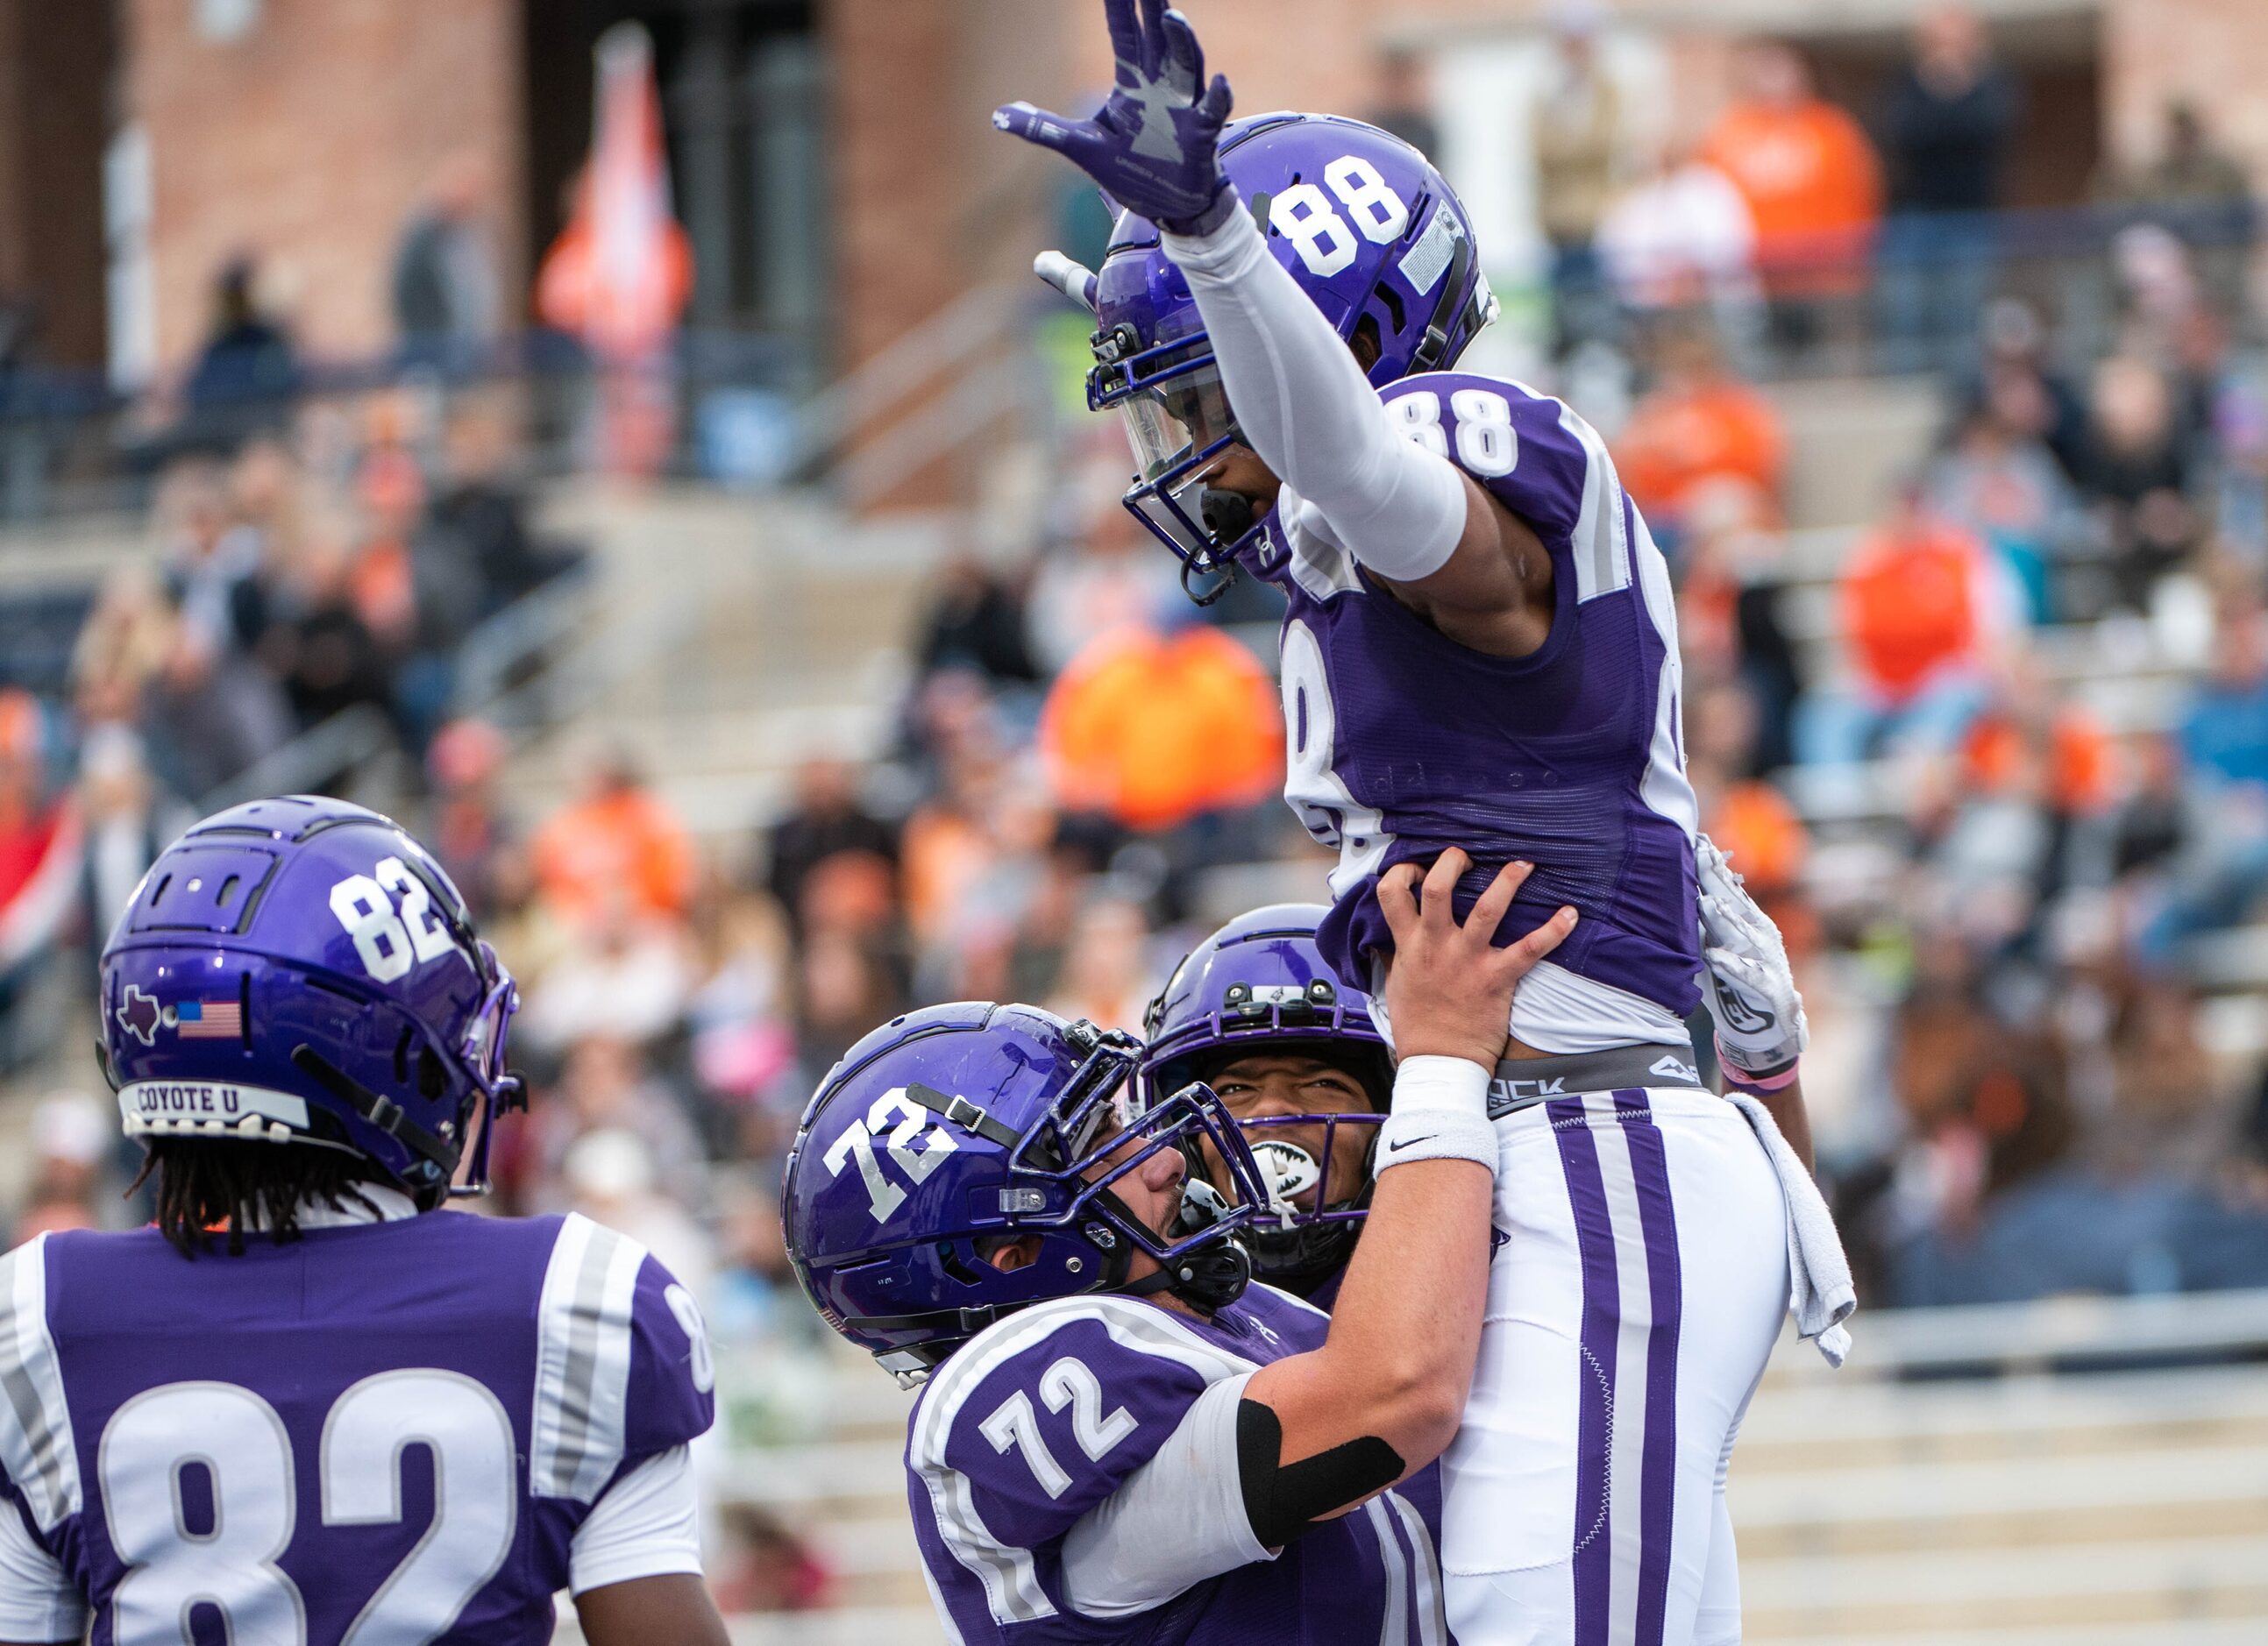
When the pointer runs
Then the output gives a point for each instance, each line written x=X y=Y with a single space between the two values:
x=1290 y=1050
x=1117 y=1438
x=310 y=1404
x=1479 y=651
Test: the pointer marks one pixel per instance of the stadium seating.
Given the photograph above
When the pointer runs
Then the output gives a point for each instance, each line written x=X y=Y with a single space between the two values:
x=2074 y=1473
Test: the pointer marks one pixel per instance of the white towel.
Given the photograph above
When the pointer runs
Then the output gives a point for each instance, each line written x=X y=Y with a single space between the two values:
x=1820 y=1295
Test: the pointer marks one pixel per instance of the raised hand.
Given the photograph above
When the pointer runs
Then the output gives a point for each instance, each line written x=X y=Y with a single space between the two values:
x=1760 y=1024
x=1448 y=989
x=1151 y=146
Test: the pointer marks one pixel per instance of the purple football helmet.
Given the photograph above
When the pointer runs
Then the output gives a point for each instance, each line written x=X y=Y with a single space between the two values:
x=950 y=1128
x=1370 y=230
x=299 y=971
x=1260 y=985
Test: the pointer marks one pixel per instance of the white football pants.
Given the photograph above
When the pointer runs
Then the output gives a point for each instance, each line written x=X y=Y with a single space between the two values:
x=1633 y=1303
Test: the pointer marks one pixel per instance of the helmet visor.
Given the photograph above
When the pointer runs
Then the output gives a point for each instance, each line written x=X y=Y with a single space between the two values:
x=1177 y=418
x=1177 y=426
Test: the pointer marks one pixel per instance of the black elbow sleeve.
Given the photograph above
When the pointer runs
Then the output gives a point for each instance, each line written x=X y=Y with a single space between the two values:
x=1285 y=1503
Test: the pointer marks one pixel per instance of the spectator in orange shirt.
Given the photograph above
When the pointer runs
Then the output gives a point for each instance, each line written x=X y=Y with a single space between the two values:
x=1155 y=729
x=1921 y=603
x=1811 y=181
x=616 y=839
x=1700 y=425
x=2075 y=756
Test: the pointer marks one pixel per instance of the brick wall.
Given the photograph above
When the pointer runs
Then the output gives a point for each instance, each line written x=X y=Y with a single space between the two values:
x=55 y=66
x=930 y=200
x=309 y=141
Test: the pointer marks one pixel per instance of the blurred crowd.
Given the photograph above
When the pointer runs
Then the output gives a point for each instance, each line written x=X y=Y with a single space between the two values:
x=1997 y=761
x=1809 y=230
x=335 y=563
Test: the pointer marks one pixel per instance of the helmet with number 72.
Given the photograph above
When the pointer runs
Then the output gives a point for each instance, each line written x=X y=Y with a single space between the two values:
x=952 y=1130
x=1370 y=231
x=299 y=972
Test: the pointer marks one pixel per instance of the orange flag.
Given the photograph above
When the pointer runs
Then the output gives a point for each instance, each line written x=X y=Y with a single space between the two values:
x=619 y=276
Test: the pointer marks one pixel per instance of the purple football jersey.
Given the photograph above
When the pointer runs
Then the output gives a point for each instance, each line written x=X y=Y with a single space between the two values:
x=1045 y=1414
x=1401 y=743
x=397 y=1422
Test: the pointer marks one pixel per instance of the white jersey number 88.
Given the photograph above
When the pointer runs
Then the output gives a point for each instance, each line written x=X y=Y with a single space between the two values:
x=1303 y=215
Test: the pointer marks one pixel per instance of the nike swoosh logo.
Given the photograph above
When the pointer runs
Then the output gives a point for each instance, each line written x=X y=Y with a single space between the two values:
x=1401 y=1143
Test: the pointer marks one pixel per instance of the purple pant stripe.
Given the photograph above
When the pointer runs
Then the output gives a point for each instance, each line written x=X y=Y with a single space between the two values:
x=1595 y=1238
x=1658 y=1464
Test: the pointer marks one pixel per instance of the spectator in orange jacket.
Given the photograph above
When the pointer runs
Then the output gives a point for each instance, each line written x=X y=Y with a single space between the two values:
x=1701 y=424
x=617 y=840
x=1811 y=181
x=1921 y=602
x=1155 y=729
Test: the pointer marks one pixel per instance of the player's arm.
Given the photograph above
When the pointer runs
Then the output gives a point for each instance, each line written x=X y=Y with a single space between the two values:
x=674 y=1610
x=1320 y=1432
x=1257 y=1460
x=1301 y=401
x=635 y=1562
x=1308 y=410
x=1761 y=1029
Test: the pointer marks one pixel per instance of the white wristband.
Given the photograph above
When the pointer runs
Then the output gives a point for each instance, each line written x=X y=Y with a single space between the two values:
x=1440 y=1112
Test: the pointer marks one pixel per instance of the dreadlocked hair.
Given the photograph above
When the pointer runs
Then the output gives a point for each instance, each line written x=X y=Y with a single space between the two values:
x=208 y=1183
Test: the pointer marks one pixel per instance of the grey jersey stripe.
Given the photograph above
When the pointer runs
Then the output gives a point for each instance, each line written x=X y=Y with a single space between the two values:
x=1394 y=1619
x=583 y=1360
x=1432 y=1616
x=35 y=1430
x=1600 y=546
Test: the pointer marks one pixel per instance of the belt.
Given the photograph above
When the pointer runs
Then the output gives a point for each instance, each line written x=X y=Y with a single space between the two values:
x=1522 y=1083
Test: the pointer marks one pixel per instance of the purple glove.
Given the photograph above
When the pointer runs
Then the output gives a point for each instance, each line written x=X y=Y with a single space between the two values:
x=1150 y=145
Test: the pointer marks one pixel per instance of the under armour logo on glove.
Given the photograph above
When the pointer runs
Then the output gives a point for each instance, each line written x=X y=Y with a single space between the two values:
x=1152 y=145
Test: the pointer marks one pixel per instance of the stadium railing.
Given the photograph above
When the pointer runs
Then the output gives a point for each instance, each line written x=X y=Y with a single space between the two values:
x=750 y=412
x=1911 y=297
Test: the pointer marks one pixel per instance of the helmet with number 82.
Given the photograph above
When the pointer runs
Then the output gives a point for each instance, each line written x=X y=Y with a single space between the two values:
x=955 y=1128
x=298 y=971
x=1370 y=231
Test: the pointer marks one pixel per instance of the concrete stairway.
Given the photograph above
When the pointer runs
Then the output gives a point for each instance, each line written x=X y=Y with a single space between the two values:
x=1952 y=1487
x=736 y=635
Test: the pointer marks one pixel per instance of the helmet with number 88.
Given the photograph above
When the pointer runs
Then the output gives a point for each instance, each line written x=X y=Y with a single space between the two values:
x=952 y=1130
x=1370 y=231
x=298 y=971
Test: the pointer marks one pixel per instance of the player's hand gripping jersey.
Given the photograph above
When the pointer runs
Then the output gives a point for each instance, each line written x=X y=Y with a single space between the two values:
x=1401 y=742
x=1065 y=1475
x=415 y=1429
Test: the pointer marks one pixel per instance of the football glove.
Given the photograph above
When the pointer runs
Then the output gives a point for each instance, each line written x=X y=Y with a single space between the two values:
x=1151 y=146
x=1761 y=1030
